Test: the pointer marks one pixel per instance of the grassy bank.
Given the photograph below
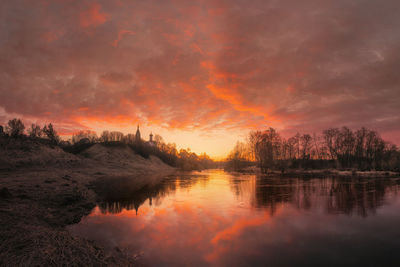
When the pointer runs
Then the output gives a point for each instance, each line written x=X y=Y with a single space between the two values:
x=44 y=189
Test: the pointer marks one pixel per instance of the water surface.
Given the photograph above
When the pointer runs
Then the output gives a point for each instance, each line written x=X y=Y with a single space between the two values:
x=221 y=219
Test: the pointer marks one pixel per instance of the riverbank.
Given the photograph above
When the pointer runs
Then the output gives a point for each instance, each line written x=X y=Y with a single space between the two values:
x=321 y=173
x=44 y=189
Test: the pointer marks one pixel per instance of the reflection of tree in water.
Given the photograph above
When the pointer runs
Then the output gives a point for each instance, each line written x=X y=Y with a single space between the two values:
x=270 y=192
x=359 y=195
x=188 y=181
x=334 y=195
x=137 y=198
x=154 y=193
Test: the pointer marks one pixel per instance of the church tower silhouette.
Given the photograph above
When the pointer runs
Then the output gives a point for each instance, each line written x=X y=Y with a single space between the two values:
x=137 y=136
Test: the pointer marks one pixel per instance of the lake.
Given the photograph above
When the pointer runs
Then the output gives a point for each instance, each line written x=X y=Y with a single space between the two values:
x=215 y=218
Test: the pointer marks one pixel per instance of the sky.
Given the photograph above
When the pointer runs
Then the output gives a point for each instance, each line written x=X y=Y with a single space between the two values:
x=201 y=73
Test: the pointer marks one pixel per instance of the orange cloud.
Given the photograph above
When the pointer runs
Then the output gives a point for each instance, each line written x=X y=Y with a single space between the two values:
x=121 y=120
x=92 y=17
x=232 y=91
x=52 y=36
x=121 y=34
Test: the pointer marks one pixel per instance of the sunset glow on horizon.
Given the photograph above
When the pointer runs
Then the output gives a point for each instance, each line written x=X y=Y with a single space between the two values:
x=201 y=74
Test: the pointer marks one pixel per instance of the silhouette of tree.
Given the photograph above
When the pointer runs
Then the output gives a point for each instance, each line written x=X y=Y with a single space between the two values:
x=15 y=128
x=267 y=147
x=90 y=135
x=105 y=136
x=341 y=148
x=239 y=157
x=129 y=138
x=330 y=137
x=51 y=134
x=35 y=131
x=306 y=146
x=115 y=136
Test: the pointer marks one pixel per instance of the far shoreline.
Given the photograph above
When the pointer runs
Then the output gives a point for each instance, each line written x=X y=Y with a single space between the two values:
x=318 y=173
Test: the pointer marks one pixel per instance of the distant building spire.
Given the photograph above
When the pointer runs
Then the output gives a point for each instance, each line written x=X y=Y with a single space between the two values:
x=137 y=136
x=151 y=137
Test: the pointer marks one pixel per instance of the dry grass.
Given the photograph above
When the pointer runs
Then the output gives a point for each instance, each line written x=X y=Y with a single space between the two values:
x=46 y=193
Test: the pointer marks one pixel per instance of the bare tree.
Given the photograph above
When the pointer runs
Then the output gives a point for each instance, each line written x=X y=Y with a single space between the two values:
x=330 y=137
x=297 y=144
x=362 y=149
x=15 y=128
x=360 y=146
x=105 y=136
x=51 y=134
x=318 y=151
x=239 y=157
x=266 y=147
x=158 y=139
x=90 y=135
x=35 y=131
x=116 y=136
x=306 y=146
x=292 y=147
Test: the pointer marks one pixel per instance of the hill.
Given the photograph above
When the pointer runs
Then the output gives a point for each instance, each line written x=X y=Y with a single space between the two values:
x=44 y=189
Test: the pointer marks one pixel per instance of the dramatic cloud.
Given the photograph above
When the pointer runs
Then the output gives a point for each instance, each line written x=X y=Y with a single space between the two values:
x=209 y=67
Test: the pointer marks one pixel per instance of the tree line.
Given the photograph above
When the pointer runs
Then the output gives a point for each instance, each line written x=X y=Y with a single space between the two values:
x=343 y=148
x=81 y=140
x=15 y=129
x=167 y=152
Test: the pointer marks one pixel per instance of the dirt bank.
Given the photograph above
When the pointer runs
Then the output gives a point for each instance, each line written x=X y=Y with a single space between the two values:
x=44 y=189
